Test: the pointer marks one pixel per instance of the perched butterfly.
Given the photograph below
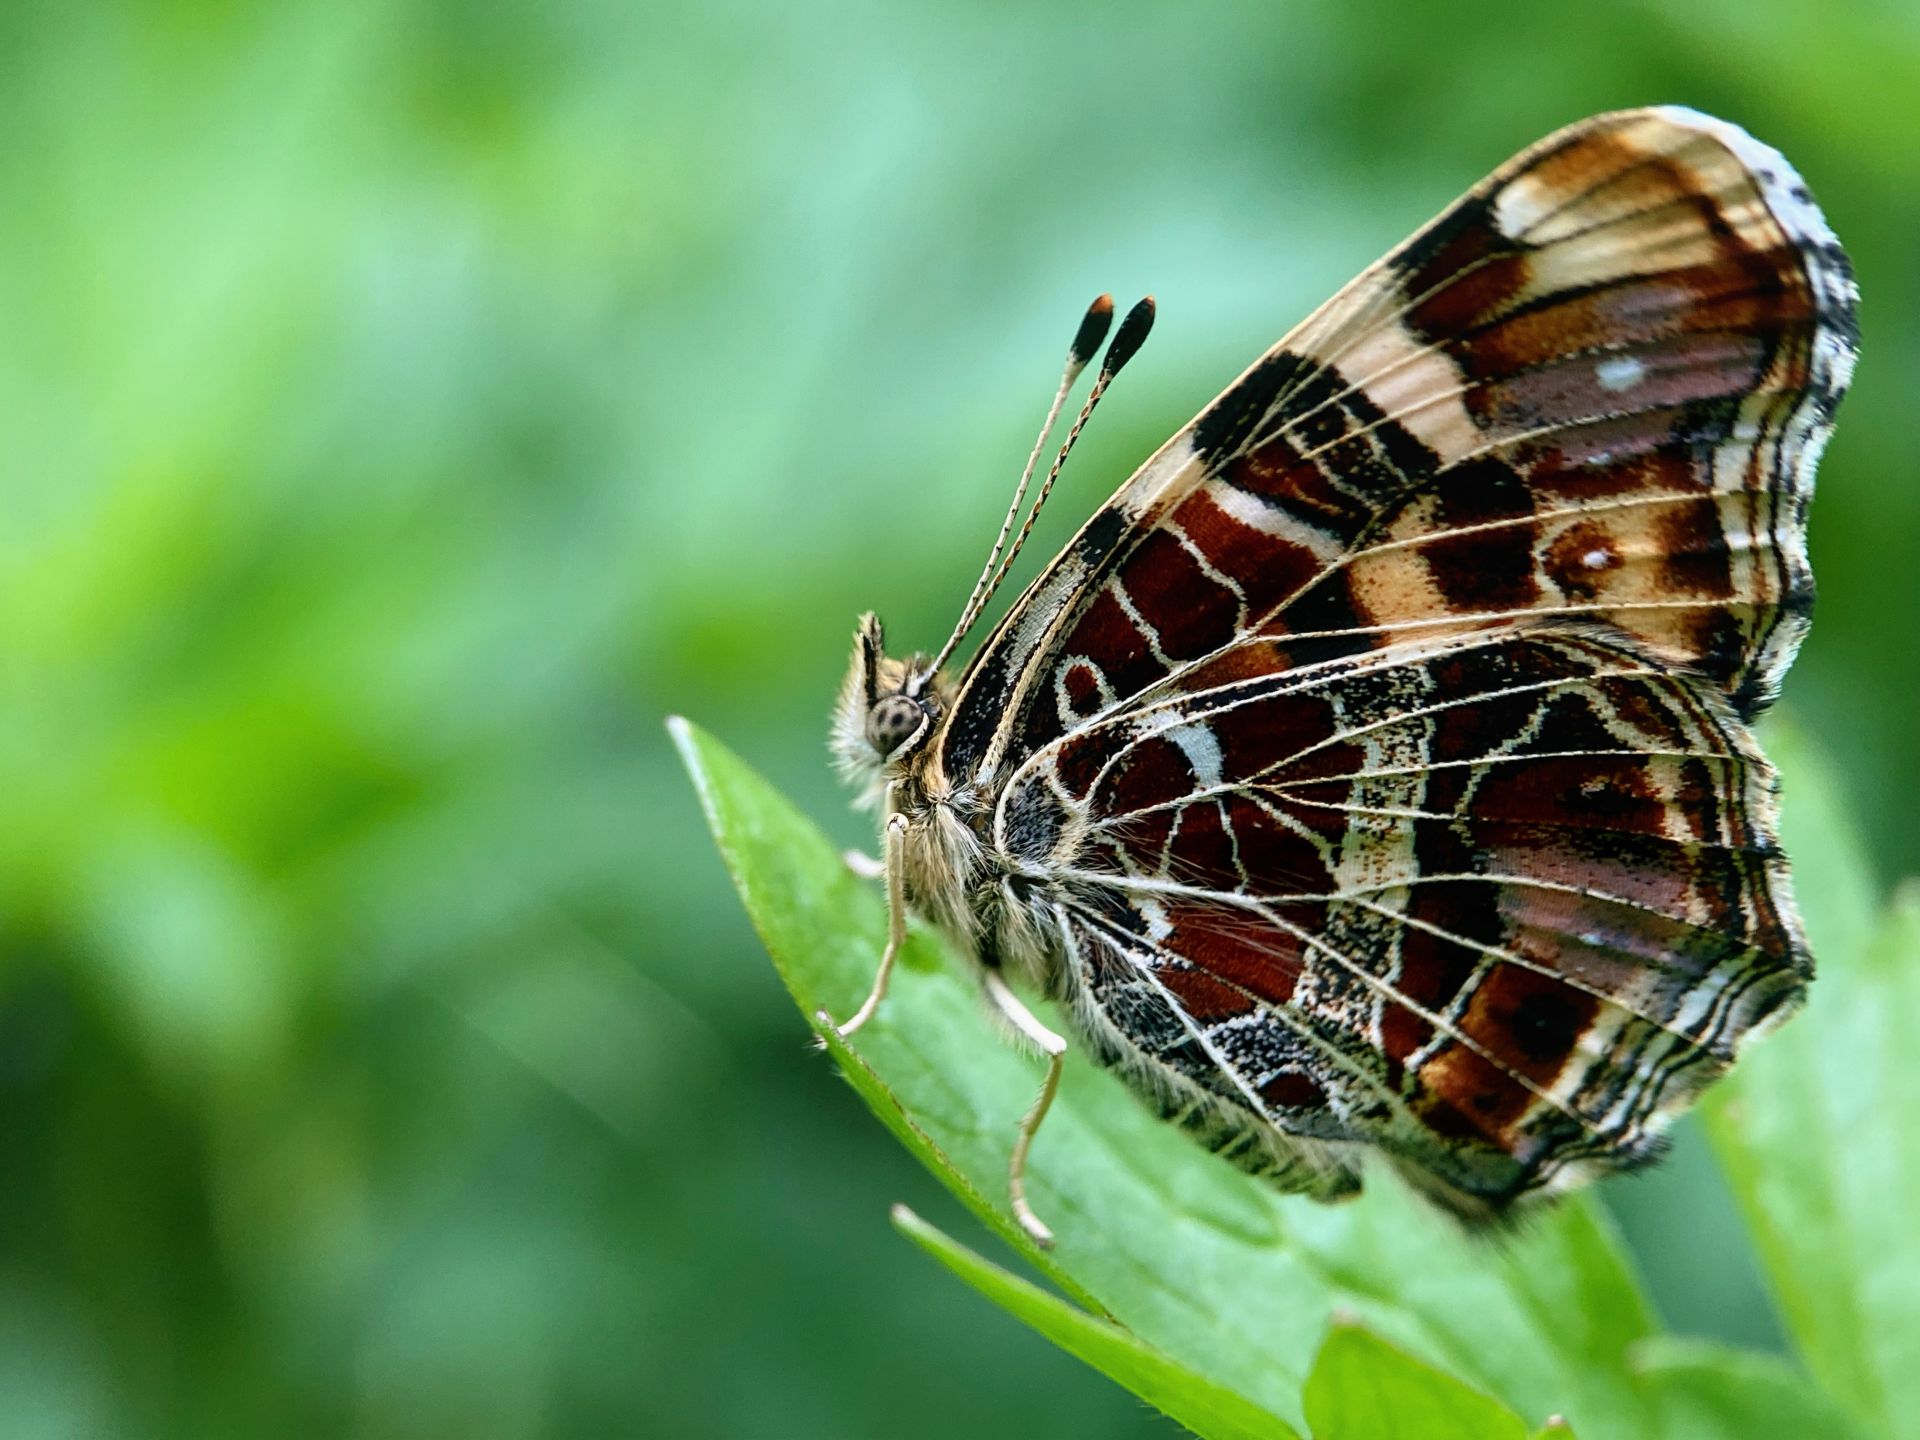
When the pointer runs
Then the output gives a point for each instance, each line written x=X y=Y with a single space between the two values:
x=1372 y=771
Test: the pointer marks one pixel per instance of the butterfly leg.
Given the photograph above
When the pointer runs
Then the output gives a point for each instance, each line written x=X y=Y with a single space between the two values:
x=894 y=868
x=1054 y=1048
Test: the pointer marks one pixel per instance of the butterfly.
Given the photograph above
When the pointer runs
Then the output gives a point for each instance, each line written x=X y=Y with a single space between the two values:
x=1371 y=775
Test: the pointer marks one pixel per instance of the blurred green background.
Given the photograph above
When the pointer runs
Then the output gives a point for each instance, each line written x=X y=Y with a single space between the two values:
x=406 y=405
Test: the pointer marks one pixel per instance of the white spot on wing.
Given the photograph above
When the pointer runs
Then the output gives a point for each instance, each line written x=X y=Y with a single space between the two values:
x=1520 y=204
x=1159 y=926
x=1196 y=742
x=1255 y=514
x=1623 y=372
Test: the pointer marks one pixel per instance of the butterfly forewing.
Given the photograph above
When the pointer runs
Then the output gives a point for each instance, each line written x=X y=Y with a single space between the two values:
x=1375 y=759
x=1592 y=389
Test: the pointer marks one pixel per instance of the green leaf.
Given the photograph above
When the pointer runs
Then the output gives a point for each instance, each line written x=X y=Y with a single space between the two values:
x=1208 y=1269
x=1833 y=876
x=1816 y=1128
x=1362 y=1388
x=1196 y=1402
x=1705 y=1391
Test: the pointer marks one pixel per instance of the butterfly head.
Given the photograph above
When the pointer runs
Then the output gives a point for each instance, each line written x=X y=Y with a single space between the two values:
x=888 y=708
x=886 y=711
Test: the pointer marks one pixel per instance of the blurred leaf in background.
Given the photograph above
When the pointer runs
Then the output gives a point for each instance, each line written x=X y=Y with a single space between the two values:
x=404 y=405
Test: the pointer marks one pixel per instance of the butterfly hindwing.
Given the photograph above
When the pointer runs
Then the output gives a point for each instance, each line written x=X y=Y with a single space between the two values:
x=1497 y=904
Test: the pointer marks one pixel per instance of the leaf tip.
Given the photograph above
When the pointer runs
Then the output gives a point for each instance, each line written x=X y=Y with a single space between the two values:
x=915 y=1229
x=686 y=739
x=827 y=1036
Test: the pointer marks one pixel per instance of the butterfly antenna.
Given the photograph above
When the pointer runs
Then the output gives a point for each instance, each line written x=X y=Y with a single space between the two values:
x=1086 y=341
x=1126 y=343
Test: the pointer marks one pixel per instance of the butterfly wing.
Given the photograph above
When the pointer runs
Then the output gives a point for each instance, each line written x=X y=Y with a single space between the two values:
x=1594 y=389
x=1498 y=903
x=1375 y=757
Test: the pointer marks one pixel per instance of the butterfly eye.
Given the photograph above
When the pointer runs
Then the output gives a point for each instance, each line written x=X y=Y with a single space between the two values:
x=893 y=721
